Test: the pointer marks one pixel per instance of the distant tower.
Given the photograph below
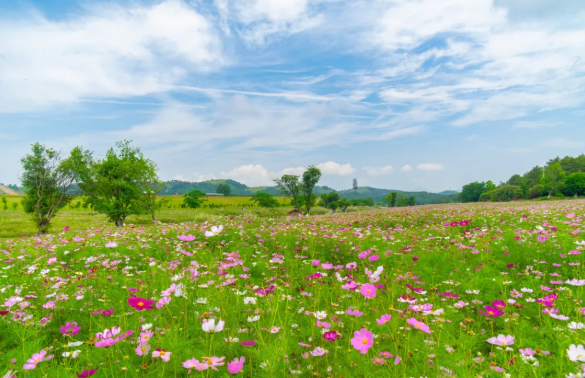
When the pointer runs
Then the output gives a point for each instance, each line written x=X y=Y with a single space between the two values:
x=355 y=188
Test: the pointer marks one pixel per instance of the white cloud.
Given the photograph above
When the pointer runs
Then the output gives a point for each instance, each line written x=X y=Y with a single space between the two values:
x=430 y=167
x=251 y=175
x=406 y=168
x=380 y=171
x=565 y=143
x=107 y=51
x=298 y=171
x=332 y=168
x=266 y=19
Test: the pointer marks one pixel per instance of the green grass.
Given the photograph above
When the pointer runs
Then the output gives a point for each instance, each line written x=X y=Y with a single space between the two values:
x=66 y=276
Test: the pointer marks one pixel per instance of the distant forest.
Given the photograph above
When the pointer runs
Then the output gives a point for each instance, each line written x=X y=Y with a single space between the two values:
x=558 y=178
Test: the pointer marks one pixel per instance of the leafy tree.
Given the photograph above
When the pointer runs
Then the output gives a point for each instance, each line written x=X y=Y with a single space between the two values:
x=575 y=184
x=310 y=178
x=14 y=205
x=224 y=189
x=343 y=204
x=151 y=201
x=194 y=199
x=5 y=202
x=489 y=185
x=411 y=201
x=554 y=178
x=115 y=184
x=393 y=197
x=264 y=200
x=48 y=180
x=328 y=199
x=533 y=176
x=504 y=193
x=472 y=191
x=291 y=187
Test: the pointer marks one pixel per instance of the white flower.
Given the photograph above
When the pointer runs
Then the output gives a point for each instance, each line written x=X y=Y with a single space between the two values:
x=472 y=291
x=253 y=318
x=74 y=343
x=211 y=327
x=526 y=290
x=232 y=340
x=146 y=326
x=202 y=300
x=321 y=315
x=576 y=353
x=214 y=231
x=575 y=325
x=73 y=354
x=249 y=300
x=10 y=374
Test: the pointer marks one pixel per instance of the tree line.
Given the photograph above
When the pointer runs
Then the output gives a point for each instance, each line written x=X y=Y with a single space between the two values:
x=559 y=177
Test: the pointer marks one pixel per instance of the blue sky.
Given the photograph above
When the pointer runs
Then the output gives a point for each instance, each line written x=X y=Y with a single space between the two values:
x=401 y=94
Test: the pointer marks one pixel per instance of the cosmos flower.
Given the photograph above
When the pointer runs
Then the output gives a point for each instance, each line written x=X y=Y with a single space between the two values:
x=236 y=365
x=214 y=231
x=362 y=340
x=419 y=325
x=70 y=329
x=384 y=319
x=576 y=353
x=141 y=304
x=86 y=373
x=195 y=364
x=164 y=355
x=368 y=290
x=501 y=340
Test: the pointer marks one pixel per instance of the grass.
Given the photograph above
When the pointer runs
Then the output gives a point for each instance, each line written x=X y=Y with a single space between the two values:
x=296 y=270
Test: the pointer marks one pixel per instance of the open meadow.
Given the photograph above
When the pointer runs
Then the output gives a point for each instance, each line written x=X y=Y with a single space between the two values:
x=479 y=290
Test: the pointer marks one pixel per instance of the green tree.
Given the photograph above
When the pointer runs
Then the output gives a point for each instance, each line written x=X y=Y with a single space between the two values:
x=393 y=197
x=553 y=178
x=388 y=199
x=48 y=180
x=489 y=185
x=224 y=189
x=5 y=202
x=343 y=204
x=575 y=184
x=264 y=200
x=327 y=200
x=310 y=178
x=194 y=199
x=411 y=201
x=533 y=176
x=116 y=184
x=14 y=205
x=291 y=187
x=472 y=191
x=151 y=201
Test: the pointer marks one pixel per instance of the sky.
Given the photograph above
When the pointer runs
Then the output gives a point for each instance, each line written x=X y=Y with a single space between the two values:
x=400 y=94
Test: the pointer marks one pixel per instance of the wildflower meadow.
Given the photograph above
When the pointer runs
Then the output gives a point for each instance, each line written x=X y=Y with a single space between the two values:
x=433 y=291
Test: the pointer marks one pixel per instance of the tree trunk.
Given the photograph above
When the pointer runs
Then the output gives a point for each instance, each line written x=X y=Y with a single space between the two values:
x=119 y=222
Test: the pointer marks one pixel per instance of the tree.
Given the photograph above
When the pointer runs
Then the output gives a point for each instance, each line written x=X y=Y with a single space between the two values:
x=14 y=205
x=264 y=200
x=151 y=201
x=115 y=184
x=194 y=199
x=5 y=203
x=327 y=199
x=343 y=204
x=393 y=198
x=290 y=186
x=554 y=178
x=472 y=191
x=533 y=176
x=310 y=178
x=575 y=184
x=48 y=180
x=224 y=189
x=489 y=185
x=411 y=201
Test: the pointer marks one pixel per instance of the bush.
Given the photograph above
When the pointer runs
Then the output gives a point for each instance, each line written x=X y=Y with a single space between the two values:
x=505 y=193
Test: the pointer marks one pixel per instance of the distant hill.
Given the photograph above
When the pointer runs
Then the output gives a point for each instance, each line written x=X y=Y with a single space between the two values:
x=239 y=189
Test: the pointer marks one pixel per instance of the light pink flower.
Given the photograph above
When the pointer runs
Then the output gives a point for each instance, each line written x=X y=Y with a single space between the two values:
x=362 y=340
x=418 y=325
x=501 y=340
x=368 y=290
x=164 y=355
x=384 y=319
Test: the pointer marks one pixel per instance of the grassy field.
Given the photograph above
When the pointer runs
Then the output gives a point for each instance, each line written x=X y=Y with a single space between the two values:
x=432 y=291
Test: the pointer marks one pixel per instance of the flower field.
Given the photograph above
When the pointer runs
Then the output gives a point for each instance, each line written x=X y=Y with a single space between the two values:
x=443 y=291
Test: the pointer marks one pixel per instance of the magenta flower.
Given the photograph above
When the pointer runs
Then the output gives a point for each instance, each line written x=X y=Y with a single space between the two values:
x=542 y=238
x=70 y=329
x=249 y=343
x=106 y=343
x=373 y=258
x=354 y=312
x=141 y=303
x=236 y=365
x=186 y=238
x=384 y=319
x=418 y=325
x=501 y=340
x=331 y=336
x=66 y=228
x=362 y=340
x=499 y=304
x=493 y=312
x=86 y=373
x=368 y=290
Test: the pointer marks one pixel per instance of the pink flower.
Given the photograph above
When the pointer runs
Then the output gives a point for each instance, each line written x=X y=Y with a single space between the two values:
x=106 y=342
x=142 y=349
x=111 y=245
x=397 y=360
x=351 y=266
x=186 y=238
x=574 y=252
x=49 y=304
x=374 y=258
x=542 y=238
x=249 y=343
x=362 y=340
x=384 y=319
x=66 y=228
x=141 y=303
x=162 y=302
x=193 y=363
x=368 y=290
x=316 y=263
x=86 y=373
x=501 y=340
x=354 y=312
x=493 y=312
x=418 y=325
x=212 y=362
x=163 y=354
x=527 y=352
x=236 y=365
x=70 y=329
x=36 y=359
x=414 y=258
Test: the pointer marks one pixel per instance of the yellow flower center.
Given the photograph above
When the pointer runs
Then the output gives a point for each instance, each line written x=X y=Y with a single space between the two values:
x=365 y=341
x=140 y=304
x=209 y=361
x=503 y=342
x=417 y=325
